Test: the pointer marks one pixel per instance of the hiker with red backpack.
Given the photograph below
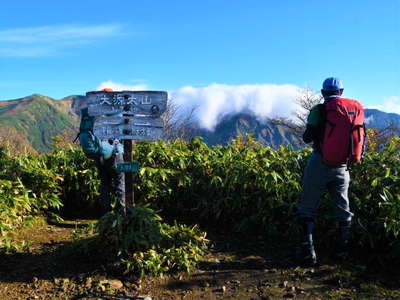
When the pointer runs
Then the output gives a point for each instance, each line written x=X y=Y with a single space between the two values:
x=337 y=131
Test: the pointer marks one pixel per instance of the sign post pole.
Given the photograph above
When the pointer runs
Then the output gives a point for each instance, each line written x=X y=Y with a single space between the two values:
x=129 y=193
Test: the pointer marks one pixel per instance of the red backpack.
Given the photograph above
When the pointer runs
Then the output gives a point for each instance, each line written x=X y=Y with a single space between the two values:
x=344 y=133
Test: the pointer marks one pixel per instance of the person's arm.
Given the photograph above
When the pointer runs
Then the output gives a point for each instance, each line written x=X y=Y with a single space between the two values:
x=311 y=133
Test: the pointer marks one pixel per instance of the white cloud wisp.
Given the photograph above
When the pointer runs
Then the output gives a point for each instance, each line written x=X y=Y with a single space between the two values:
x=215 y=101
x=390 y=105
x=49 y=40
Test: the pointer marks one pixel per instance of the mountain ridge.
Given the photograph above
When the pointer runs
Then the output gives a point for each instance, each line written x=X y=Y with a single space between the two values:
x=263 y=131
x=31 y=122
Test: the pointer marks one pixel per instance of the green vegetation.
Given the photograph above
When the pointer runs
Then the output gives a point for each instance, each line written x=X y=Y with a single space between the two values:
x=245 y=186
x=146 y=245
x=79 y=184
x=252 y=189
x=27 y=188
x=242 y=188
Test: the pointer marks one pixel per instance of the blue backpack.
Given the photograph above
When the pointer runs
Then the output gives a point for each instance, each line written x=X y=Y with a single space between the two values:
x=92 y=146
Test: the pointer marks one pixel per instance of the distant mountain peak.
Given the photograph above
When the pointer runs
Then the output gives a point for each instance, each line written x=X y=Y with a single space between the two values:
x=39 y=96
x=35 y=119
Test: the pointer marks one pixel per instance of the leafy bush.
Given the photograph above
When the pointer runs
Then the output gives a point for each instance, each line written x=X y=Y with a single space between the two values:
x=244 y=186
x=41 y=181
x=15 y=206
x=147 y=245
x=80 y=183
x=27 y=188
x=253 y=189
x=375 y=195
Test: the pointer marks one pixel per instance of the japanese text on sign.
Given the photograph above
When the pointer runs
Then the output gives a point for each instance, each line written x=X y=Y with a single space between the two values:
x=146 y=103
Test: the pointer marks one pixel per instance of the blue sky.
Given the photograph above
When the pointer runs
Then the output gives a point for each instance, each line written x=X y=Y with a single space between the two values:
x=59 y=48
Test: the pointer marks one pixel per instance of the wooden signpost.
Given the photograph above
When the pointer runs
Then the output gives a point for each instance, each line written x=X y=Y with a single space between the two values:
x=146 y=103
x=128 y=116
x=128 y=132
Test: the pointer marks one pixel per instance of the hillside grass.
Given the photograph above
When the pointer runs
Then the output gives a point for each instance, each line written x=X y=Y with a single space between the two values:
x=37 y=119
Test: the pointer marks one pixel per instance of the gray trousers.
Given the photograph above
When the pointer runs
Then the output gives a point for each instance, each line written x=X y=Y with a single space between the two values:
x=317 y=177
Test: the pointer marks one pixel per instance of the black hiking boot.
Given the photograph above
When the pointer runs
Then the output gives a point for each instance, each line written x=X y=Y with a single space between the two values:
x=306 y=254
x=342 y=244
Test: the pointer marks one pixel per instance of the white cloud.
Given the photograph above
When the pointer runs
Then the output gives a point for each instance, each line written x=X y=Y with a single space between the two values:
x=45 y=34
x=48 y=40
x=28 y=52
x=214 y=101
x=121 y=87
x=218 y=100
x=390 y=105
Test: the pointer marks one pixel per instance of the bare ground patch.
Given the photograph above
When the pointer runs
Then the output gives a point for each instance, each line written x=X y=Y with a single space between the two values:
x=50 y=268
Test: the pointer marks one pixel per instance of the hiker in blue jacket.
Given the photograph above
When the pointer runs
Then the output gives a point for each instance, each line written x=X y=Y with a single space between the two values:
x=112 y=182
x=106 y=154
x=317 y=177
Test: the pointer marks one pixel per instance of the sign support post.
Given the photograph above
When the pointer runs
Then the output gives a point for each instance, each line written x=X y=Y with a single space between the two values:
x=129 y=193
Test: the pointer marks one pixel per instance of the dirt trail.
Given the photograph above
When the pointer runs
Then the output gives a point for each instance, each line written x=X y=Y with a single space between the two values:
x=232 y=270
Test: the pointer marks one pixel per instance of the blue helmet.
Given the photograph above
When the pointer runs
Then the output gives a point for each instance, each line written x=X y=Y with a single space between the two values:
x=332 y=84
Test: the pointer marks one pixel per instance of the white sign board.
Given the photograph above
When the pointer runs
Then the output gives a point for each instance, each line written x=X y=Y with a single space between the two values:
x=138 y=121
x=137 y=103
x=128 y=132
x=127 y=115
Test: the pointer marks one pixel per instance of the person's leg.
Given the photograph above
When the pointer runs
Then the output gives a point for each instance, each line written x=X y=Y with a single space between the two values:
x=306 y=255
x=119 y=183
x=338 y=188
x=314 y=184
x=342 y=247
x=105 y=186
x=313 y=187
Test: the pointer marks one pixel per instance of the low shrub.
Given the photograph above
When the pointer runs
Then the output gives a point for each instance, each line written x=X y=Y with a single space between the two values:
x=43 y=183
x=147 y=245
x=79 y=187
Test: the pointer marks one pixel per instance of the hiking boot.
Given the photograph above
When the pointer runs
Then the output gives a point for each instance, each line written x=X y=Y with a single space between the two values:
x=306 y=255
x=342 y=244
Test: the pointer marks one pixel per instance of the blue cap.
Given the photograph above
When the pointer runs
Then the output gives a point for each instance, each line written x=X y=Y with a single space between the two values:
x=332 y=84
